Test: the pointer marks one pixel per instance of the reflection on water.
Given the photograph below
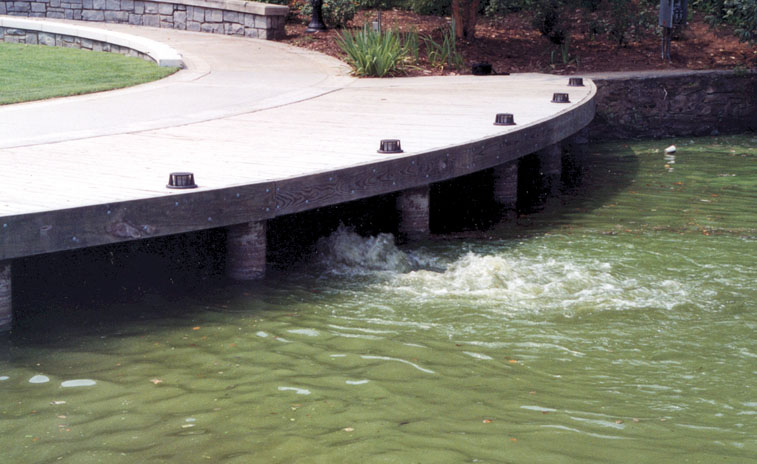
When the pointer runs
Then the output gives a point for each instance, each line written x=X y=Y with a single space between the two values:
x=615 y=325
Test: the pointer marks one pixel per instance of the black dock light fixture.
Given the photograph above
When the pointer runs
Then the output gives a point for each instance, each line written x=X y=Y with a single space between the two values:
x=576 y=82
x=504 y=119
x=316 y=20
x=390 y=146
x=560 y=98
x=181 y=180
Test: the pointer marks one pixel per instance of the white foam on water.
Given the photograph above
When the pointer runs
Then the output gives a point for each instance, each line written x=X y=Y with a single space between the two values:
x=78 y=383
x=356 y=382
x=478 y=355
x=404 y=361
x=261 y=334
x=345 y=252
x=299 y=391
x=39 y=379
x=305 y=332
x=4 y=377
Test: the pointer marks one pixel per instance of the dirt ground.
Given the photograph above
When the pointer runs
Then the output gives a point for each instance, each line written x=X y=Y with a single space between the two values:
x=511 y=44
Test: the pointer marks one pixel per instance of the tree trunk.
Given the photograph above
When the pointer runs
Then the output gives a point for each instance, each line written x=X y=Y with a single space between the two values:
x=465 y=14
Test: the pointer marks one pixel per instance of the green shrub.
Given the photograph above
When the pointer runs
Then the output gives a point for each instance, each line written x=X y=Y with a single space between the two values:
x=742 y=14
x=430 y=7
x=373 y=53
x=550 y=20
x=336 y=13
x=444 y=53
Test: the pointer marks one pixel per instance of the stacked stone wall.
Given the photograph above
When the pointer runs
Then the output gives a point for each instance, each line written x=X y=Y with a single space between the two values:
x=674 y=104
x=23 y=36
x=230 y=17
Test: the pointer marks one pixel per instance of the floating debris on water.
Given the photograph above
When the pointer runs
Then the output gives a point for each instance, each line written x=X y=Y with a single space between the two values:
x=39 y=379
x=4 y=377
x=306 y=332
x=670 y=149
x=299 y=391
x=478 y=355
x=356 y=382
x=261 y=334
x=78 y=383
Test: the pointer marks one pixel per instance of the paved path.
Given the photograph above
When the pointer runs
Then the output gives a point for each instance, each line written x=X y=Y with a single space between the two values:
x=288 y=127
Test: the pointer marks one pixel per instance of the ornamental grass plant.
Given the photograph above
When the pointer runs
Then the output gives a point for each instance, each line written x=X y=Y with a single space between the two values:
x=373 y=53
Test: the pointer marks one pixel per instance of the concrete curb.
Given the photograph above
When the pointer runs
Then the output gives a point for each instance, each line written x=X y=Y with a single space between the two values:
x=162 y=54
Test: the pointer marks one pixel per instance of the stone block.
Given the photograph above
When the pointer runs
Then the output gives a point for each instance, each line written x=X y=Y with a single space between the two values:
x=86 y=4
x=3 y=8
x=194 y=26
x=21 y=7
x=31 y=38
x=151 y=20
x=214 y=28
x=56 y=14
x=180 y=20
x=166 y=21
x=249 y=20
x=139 y=7
x=165 y=8
x=77 y=15
x=86 y=43
x=263 y=34
x=260 y=22
x=39 y=7
x=127 y=5
x=13 y=39
x=232 y=17
x=97 y=46
x=98 y=4
x=198 y=14
x=251 y=32
x=45 y=38
x=93 y=15
x=213 y=16
x=233 y=29
x=135 y=19
x=69 y=13
x=116 y=16
x=151 y=8
x=113 y=5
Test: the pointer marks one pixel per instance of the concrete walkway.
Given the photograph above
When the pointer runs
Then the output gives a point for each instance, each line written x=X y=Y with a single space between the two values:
x=224 y=76
x=267 y=129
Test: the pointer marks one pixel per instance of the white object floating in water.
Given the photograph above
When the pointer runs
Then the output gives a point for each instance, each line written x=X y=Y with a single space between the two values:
x=78 y=383
x=261 y=334
x=356 y=382
x=478 y=355
x=299 y=391
x=4 y=377
x=305 y=332
x=39 y=379
x=670 y=149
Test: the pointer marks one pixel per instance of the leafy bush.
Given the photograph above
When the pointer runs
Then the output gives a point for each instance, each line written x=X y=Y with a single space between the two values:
x=550 y=20
x=742 y=14
x=373 y=53
x=444 y=53
x=336 y=13
x=430 y=7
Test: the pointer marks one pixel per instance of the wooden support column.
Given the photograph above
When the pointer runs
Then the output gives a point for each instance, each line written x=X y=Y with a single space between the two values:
x=550 y=161
x=506 y=185
x=6 y=308
x=413 y=206
x=245 y=251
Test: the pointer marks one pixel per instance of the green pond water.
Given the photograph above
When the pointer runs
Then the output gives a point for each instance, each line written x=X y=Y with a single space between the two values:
x=616 y=325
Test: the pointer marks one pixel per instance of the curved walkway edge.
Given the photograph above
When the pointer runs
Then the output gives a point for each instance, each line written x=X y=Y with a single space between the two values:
x=162 y=54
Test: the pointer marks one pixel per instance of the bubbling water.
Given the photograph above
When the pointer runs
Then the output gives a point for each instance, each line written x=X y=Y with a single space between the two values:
x=506 y=280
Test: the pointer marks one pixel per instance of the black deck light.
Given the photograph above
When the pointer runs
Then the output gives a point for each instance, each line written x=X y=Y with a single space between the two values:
x=390 y=146
x=181 y=180
x=504 y=119
x=560 y=98
x=576 y=82
x=316 y=21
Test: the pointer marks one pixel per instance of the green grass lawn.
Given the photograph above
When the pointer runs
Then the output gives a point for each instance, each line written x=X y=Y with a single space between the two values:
x=36 y=72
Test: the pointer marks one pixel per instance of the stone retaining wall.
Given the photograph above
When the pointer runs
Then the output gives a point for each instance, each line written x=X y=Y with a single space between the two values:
x=673 y=103
x=230 y=17
x=12 y=35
